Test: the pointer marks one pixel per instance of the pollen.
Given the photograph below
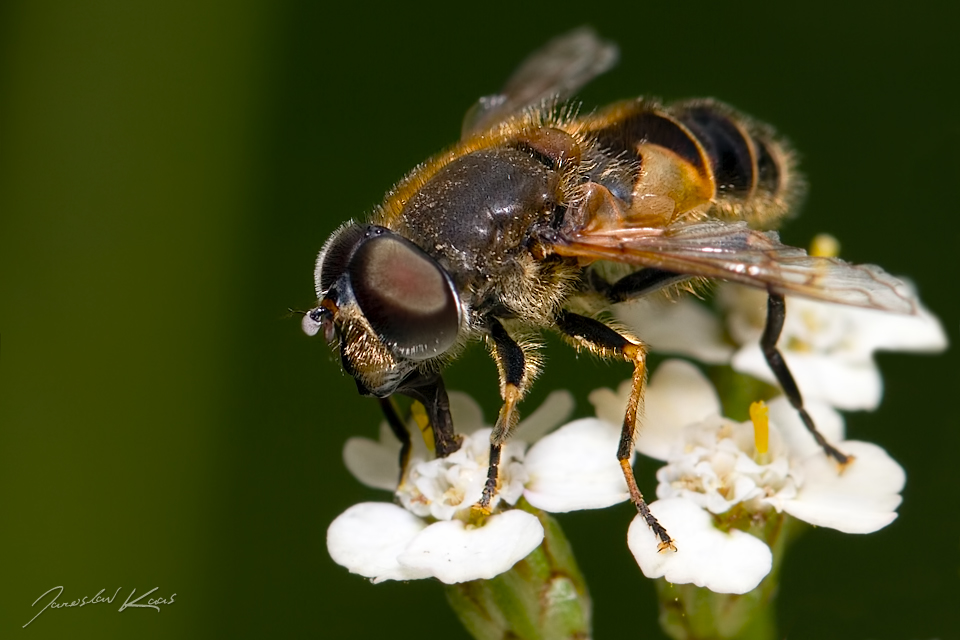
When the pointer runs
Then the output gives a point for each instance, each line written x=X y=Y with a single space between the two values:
x=419 y=414
x=761 y=426
x=824 y=245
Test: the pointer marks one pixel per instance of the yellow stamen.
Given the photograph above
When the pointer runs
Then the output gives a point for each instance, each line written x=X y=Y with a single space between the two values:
x=419 y=413
x=825 y=245
x=761 y=426
x=477 y=515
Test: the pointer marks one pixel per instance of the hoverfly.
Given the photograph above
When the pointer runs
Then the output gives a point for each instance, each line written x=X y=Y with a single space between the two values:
x=507 y=232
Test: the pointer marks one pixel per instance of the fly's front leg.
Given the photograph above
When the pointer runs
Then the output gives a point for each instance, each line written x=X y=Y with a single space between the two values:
x=515 y=374
x=606 y=342
x=776 y=313
x=429 y=390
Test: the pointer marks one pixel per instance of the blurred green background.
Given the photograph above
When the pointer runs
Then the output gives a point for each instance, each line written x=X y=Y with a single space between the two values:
x=168 y=172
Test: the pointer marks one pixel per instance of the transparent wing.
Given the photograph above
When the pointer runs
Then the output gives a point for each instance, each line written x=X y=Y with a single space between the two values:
x=733 y=251
x=554 y=71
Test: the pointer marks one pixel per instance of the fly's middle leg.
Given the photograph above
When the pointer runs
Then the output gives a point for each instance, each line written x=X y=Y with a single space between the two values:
x=606 y=342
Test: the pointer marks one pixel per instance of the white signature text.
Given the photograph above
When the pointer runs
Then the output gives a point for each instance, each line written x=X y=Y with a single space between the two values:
x=130 y=603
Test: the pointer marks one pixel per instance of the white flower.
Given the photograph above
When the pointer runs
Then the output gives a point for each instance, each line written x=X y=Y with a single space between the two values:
x=714 y=471
x=430 y=533
x=714 y=466
x=677 y=394
x=382 y=541
x=575 y=468
x=828 y=347
x=724 y=562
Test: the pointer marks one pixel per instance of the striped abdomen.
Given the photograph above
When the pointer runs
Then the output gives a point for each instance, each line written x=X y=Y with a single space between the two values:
x=700 y=157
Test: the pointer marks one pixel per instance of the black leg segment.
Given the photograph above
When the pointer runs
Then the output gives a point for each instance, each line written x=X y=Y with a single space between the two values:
x=512 y=366
x=509 y=355
x=429 y=390
x=641 y=283
x=776 y=313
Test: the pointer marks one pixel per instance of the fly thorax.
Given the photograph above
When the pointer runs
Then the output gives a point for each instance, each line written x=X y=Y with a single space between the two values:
x=474 y=215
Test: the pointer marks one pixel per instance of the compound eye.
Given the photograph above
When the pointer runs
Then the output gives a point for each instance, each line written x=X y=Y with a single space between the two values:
x=405 y=296
x=335 y=255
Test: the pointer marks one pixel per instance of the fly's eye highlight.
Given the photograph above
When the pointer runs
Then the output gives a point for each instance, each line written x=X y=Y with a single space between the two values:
x=405 y=296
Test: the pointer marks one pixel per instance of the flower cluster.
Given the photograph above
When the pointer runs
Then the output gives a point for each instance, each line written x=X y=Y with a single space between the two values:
x=431 y=531
x=828 y=347
x=718 y=475
x=716 y=481
x=722 y=484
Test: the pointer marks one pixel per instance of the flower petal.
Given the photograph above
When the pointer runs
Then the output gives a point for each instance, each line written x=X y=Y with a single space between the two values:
x=610 y=405
x=368 y=537
x=466 y=413
x=375 y=464
x=575 y=468
x=733 y=562
x=841 y=382
x=921 y=332
x=682 y=326
x=861 y=499
x=797 y=438
x=553 y=412
x=678 y=395
x=456 y=553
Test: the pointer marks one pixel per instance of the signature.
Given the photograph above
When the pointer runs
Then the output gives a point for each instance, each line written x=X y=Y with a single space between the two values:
x=129 y=603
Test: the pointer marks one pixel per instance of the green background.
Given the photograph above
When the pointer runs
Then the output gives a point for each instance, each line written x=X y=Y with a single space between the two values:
x=169 y=171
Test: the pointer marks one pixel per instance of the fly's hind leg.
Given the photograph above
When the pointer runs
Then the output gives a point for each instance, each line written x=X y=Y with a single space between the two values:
x=641 y=283
x=606 y=342
x=776 y=312
x=515 y=374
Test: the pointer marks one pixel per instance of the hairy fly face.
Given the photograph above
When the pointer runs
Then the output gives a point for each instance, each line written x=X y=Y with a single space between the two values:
x=387 y=304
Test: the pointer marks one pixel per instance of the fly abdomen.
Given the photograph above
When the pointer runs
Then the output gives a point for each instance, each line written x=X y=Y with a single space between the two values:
x=753 y=171
x=693 y=158
x=727 y=147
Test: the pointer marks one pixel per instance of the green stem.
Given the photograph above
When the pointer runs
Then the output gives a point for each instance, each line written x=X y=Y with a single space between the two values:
x=693 y=613
x=543 y=597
